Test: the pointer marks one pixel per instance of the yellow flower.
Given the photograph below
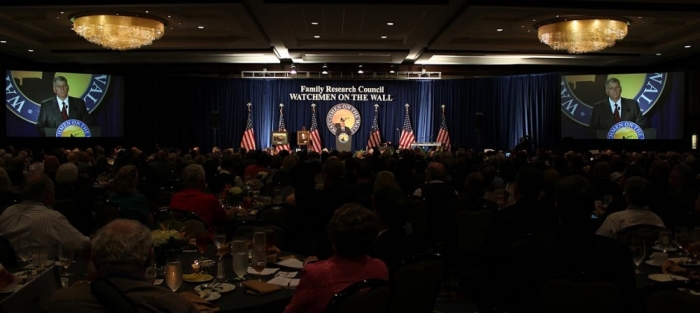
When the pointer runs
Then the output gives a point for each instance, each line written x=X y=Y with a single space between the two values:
x=236 y=190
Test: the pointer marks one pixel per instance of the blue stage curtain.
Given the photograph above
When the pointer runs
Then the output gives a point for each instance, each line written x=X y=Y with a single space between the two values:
x=176 y=111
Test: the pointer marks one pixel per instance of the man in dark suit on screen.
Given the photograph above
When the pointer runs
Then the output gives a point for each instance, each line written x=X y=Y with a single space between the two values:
x=614 y=109
x=55 y=111
x=340 y=127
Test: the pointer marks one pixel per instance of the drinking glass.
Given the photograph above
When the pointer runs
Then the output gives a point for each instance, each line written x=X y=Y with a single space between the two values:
x=173 y=275
x=202 y=241
x=259 y=239
x=220 y=243
x=65 y=256
x=695 y=246
x=664 y=240
x=270 y=236
x=150 y=273
x=24 y=251
x=259 y=259
x=239 y=253
x=682 y=239
x=639 y=252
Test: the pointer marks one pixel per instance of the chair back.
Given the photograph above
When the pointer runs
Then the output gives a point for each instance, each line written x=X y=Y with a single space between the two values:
x=641 y=233
x=8 y=258
x=33 y=297
x=418 y=217
x=163 y=196
x=367 y=296
x=472 y=227
x=415 y=283
x=276 y=213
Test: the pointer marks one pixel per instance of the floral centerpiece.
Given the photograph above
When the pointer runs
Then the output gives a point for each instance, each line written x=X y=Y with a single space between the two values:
x=234 y=196
x=167 y=242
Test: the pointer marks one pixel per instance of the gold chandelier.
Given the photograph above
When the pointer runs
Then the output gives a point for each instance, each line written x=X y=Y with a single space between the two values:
x=582 y=35
x=119 y=32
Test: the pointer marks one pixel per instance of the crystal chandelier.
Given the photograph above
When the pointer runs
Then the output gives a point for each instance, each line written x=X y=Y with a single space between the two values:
x=582 y=35
x=119 y=32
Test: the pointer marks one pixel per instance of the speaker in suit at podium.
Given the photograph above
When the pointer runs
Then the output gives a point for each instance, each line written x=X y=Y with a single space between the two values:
x=56 y=110
x=343 y=136
x=614 y=109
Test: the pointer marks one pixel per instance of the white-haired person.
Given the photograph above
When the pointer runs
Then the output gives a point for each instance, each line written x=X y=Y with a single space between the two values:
x=120 y=252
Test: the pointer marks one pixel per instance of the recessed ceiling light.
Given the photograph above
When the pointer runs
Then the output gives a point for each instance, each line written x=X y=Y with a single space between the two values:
x=314 y=23
x=200 y=27
x=499 y=30
x=61 y=12
x=168 y=16
x=522 y=25
x=391 y=72
x=57 y=17
x=383 y=37
x=639 y=17
x=30 y=50
x=390 y=23
x=146 y=11
x=2 y=41
x=688 y=46
x=534 y=20
x=557 y=15
x=317 y=36
x=658 y=53
x=179 y=23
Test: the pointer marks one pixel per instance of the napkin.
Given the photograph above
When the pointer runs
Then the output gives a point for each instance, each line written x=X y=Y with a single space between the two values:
x=670 y=267
x=202 y=305
x=260 y=288
x=287 y=257
x=280 y=281
x=293 y=263
x=266 y=271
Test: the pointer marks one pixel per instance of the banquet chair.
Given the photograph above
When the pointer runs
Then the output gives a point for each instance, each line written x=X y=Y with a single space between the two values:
x=415 y=283
x=276 y=213
x=418 y=217
x=644 y=232
x=367 y=296
x=671 y=296
x=34 y=296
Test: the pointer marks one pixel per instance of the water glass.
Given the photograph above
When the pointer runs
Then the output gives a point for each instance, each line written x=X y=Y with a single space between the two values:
x=239 y=254
x=259 y=261
x=173 y=275
x=664 y=240
x=638 y=249
x=259 y=239
x=65 y=256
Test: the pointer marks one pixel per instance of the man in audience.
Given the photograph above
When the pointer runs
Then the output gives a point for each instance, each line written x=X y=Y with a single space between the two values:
x=121 y=252
x=393 y=243
x=34 y=221
x=192 y=198
x=680 y=201
x=571 y=253
x=637 y=195
x=438 y=196
x=473 y=197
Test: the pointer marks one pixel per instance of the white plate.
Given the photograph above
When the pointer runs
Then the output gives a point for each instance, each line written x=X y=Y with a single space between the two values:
x=222 y=288
x=669 y=249
x=651 y=263
x=662 y=278
x=212 y=296
x=678 y=261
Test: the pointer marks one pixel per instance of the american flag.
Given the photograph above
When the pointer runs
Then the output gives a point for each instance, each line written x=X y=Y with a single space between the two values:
x=407 y=137
x=444 y=135
x=248 y=140
x=315 y=136
x=374 y=137
x=282 y=128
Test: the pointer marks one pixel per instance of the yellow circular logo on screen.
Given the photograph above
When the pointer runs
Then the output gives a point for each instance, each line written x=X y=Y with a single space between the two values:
x=343 y=137
x=73 y=128
x=343 y=115
x=626 y=130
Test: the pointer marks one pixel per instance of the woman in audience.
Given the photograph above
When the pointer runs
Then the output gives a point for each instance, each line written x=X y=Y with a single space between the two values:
x=132 y=204
x=351 y=230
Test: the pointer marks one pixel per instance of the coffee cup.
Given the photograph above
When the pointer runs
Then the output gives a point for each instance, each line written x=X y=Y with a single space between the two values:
x=658 y=258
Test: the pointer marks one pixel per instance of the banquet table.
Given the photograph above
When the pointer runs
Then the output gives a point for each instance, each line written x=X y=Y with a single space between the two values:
x=235 y=301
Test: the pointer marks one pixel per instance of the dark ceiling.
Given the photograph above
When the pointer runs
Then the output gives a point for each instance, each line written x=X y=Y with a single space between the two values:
x=438 y=35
